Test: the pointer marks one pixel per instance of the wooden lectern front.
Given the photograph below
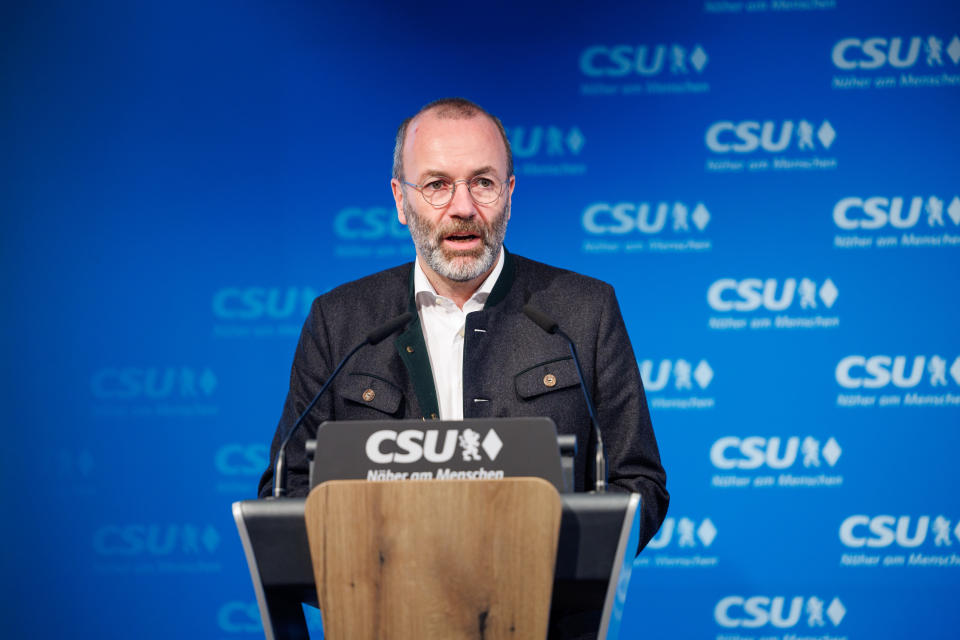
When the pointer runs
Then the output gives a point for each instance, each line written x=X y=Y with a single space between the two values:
x=442 y=558
x=425 y=559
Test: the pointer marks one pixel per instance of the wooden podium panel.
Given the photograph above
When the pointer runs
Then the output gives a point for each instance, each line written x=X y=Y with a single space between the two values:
x=425 y=559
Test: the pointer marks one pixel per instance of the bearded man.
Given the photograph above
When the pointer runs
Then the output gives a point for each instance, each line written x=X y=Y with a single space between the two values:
x=470 y=352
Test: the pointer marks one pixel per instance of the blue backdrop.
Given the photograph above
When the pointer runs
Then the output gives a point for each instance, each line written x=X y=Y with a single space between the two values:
x=771 y=186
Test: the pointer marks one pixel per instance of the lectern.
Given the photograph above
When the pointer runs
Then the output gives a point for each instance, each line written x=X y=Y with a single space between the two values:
x=597 y=540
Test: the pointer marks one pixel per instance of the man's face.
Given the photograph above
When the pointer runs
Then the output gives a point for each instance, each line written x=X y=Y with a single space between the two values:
x=461 y=240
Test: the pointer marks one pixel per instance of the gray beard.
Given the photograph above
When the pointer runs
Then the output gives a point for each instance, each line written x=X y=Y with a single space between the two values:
x=458 y=266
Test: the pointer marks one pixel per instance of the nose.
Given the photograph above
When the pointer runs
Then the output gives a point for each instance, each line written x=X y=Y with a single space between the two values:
x=462 y=204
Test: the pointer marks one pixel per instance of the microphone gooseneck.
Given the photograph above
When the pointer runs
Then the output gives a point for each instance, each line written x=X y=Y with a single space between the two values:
x=549 y=325
x=374 y=337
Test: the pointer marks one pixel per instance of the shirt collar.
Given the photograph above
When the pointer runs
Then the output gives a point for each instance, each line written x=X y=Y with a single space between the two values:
x=424 y=292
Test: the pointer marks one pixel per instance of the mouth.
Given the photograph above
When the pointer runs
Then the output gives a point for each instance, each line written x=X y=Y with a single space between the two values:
x=462 y=240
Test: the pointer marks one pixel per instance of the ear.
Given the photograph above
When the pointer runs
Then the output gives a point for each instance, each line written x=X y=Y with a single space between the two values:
x=511 y=183
x=398 y=194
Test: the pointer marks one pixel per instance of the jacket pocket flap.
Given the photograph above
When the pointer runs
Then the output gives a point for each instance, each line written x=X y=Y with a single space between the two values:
x=373 y=392
x=545 y=377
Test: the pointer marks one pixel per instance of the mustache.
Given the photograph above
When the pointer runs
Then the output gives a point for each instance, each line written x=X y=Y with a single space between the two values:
x=461 y=228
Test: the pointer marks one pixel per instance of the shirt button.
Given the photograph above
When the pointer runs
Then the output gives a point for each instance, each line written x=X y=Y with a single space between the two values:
x=369 y=395
x=550 y=380
x=409 y=349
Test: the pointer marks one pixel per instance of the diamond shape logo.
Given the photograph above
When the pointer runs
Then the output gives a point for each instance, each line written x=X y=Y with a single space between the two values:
x=208 y=381
x=703 y=374
x=575 y=140
x=836 y=611
x=492 y=444
x=699 y=58
x=210 y=539
x=954 y=50
x=954 y=210
x=831 y=452
x=828 y=292
x=706 y=532
x=700 y=217
x=955 y=370
x=826 y=134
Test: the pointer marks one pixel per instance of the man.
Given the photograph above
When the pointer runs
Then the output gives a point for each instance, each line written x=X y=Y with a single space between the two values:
x=470 y=352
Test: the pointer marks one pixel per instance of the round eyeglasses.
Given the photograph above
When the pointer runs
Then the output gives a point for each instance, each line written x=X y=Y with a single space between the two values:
x=438 y=192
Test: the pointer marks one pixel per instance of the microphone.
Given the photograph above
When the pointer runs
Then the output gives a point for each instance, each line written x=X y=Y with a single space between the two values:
x=550 y=325
x=374 y=337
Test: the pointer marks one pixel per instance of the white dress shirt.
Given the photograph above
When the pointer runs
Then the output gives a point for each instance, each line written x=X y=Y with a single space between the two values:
x=443 y=324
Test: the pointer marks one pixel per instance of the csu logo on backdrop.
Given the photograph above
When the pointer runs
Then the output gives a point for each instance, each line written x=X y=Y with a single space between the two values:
x=750 y=294
x=239 y=617
x=372 y=223
x=155 y=540
x=412 y=445
x=754 y=452
x=679 y=371
x=643 y=217
x=684 y=533
x=781 y=612
x=748 y=136
x=850 y=54
x=157 y=383
x=671 y=383
x=263 y=303
x=619 y=61
x=877 y=372
x=877 y=532
x=901 y=213
x=237 y=459
x=549 y=141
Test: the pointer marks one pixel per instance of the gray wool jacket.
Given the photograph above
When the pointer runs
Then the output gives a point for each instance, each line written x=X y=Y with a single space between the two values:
x=503 y=366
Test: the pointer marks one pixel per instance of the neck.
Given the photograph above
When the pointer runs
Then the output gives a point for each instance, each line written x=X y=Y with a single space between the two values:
x=457 y=291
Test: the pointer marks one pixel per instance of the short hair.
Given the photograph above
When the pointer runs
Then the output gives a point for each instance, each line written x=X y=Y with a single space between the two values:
x=448 y=109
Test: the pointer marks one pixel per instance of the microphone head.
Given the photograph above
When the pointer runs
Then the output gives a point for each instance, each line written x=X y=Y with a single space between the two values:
x=540 y=319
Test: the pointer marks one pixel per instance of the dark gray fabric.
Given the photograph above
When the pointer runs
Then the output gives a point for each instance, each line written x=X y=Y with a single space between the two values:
x=504 y=365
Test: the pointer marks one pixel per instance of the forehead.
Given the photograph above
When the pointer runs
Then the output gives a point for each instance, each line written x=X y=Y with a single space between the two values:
x=453 y=146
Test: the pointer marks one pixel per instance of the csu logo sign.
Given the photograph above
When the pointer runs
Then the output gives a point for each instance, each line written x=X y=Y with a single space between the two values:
x=850 y=54
x=877 y=212
x=876 y=372
x=688 y=533
x=751 y=294
x=680 y=371
x=750 y=135
x=904 y=531
x=155 y=539
x=777 y=611
x=374 y=223
x=753 y=452
x=241 y=459
x=643 y=60
x=257 y=303
x=551 y=141
x=122 y=383
x=643 y=217
x=412 y=445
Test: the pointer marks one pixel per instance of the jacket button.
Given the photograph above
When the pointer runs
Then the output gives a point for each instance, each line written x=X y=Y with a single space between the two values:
x=369 y=395
x=409 y=349
x=550 y=380
x=434 y=416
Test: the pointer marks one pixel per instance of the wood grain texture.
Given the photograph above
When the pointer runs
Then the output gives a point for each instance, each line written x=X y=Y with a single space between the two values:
x=434 y=559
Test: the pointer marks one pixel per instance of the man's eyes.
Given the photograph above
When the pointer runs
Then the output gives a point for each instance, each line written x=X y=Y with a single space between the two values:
x=483 y=183
x=437 y=185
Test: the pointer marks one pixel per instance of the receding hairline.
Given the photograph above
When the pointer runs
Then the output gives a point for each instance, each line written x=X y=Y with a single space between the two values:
x=447 y=109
